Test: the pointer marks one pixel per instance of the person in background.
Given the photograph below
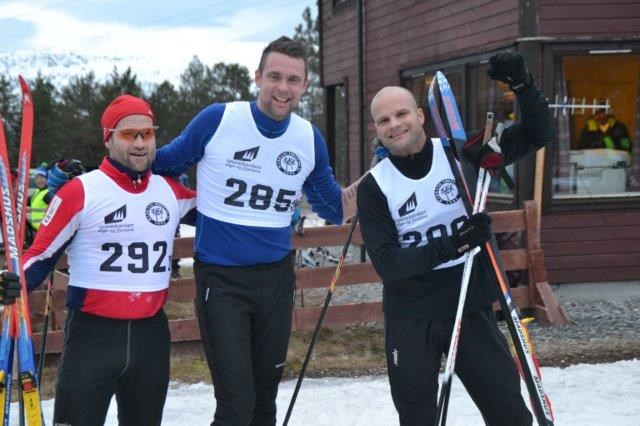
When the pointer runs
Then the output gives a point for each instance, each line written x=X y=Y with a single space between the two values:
x=603 y=130
x=38 y=202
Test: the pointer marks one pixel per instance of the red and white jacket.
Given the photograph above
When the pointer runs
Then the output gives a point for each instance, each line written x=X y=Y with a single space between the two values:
x=118 y=235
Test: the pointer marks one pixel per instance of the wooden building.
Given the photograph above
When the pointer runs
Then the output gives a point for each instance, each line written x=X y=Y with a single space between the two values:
x=584 y=55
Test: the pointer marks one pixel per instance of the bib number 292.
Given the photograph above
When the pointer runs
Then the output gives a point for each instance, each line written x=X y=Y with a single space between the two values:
x=138 y=253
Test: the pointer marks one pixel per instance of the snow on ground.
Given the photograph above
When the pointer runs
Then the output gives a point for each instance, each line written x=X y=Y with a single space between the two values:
x=582 y=395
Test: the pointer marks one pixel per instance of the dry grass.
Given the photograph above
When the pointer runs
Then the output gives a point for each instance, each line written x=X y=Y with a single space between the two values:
x=339 y=352
x=347 y=351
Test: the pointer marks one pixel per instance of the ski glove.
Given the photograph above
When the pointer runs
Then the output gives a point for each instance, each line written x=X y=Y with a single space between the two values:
x=475 y=231
x=509 y=67
x=9 y=287
x=488 y=156
x=62 y=171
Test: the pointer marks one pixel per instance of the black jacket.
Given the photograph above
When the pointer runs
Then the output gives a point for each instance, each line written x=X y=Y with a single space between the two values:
x=412 y=288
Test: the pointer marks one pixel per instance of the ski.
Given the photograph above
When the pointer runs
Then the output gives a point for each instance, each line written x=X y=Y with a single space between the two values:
x=7 y=337
x=480 y=198
x=18 y=322
x=526 y=360
x=27 y=373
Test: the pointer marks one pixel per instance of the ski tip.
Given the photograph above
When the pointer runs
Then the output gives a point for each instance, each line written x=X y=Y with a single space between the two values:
x=23 y=84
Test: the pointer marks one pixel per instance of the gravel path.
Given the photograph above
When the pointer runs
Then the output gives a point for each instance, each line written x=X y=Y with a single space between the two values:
x=601 y=331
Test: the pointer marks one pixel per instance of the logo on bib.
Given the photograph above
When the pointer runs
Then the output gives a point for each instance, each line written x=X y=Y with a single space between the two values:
x=408 y=206
x=289 y=163
x=247 y=155
x=447 y=191
x=116 y=216
x=157 y=214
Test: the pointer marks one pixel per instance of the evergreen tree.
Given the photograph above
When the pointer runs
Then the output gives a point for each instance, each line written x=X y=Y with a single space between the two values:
x=195 y=92
x=119 y=84
x=231 y=82
x=80 y=111
x=312 y=101
x=48 y=140
x=10 y=111
x=164 y=101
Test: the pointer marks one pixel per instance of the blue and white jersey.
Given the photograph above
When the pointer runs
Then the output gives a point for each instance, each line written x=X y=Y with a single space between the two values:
x=251 y=172
x=246 y=178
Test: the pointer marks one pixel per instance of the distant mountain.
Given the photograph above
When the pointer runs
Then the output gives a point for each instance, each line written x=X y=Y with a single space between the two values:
x=62 y=66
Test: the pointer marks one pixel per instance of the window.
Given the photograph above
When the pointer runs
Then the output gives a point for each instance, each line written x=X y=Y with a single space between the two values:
x=339 y=5
x=419 y=86
x=485 y=96
x=496 y=97
x=597 y=149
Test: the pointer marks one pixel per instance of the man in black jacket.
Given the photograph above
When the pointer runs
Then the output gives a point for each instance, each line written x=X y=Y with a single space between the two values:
x=416 y=231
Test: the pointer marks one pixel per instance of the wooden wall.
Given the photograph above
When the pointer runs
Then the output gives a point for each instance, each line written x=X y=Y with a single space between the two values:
x=403 y=34
x=408 y=34
x=592 y=18
x=592 y=246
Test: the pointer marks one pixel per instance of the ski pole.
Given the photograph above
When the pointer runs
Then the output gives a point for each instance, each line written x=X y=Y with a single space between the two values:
x=45 y=329
x=482 y=189
x=526 y=358
x=483 y=182
x=323 y=312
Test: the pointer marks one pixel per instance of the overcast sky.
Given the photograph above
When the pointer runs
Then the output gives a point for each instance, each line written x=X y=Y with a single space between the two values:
x=166 y=32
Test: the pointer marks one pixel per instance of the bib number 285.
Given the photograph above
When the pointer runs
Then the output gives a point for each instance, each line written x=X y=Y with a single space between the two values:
x=260 y=196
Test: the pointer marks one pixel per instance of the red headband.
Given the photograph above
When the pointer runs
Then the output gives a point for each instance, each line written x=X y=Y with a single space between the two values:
x=121 y=107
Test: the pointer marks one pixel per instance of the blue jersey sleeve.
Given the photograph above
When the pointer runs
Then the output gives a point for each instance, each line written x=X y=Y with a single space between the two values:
x=322 y=190
x=188 y=148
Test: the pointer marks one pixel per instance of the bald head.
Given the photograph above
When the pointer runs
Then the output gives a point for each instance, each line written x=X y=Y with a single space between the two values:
x=398 y=120
x=395 y=93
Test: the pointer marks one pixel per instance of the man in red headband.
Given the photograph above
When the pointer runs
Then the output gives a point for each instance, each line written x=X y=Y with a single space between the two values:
x=116 y=225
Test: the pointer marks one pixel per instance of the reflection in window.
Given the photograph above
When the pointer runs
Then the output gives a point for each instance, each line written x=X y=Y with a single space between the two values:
x=496 y=97
x=597 y=149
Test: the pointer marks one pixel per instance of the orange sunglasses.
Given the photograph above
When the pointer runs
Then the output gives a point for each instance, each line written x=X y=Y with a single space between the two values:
x=132 y=134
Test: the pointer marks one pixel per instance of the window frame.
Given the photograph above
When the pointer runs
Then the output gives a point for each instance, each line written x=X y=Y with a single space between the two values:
x=553 y=53
x=463 y=67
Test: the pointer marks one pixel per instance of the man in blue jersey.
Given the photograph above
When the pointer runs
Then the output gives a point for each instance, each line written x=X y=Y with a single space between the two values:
x=254 y=162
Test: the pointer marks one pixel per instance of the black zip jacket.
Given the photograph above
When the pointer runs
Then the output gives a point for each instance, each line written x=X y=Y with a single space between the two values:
x=412 y=288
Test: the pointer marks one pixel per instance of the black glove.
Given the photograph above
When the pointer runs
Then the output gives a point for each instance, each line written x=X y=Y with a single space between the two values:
x=61 y=171
x=474 y=232
x=73 y=167
x=487 y=156
x=9 y=287
x=509 y=67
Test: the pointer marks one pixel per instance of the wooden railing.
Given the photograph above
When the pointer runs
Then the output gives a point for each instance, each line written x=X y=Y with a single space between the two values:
x=532 y=293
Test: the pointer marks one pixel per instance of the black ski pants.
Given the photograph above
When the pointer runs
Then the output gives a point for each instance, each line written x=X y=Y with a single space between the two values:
x=244 y=315
x=414 y=349
x=103 y=356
